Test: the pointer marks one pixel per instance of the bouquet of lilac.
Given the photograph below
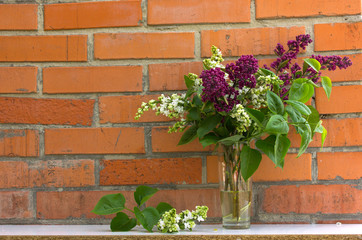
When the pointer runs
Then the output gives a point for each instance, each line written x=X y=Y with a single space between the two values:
x=241 y=102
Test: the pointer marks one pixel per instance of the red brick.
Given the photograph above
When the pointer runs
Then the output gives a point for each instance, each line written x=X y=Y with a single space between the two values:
x=309 y=199
x=344 y=99
x=295 y=169
x=77 y=204
x=201 y=11
x=15 y=205
x=212 y=169
x=94 y=141
x=19 y=143
x=346 y=165
x=297 y=8
x=92 y=15
x=143 y=45
x=18 y=16
x=341 y=132
x=352 y=73
x=256 y=41
x=123 y=109
x=46 y=111
x=151 y=171
x=43 y=48
x=337 y=36
x=18 y=79
x=170 y=76
x=52 y=173
x=162 y=141
x=92 y=79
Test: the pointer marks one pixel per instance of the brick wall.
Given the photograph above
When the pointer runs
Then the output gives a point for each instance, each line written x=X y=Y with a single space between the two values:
x=72 y=74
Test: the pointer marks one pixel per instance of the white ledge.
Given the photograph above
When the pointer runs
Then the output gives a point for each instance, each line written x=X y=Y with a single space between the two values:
x=255 y=229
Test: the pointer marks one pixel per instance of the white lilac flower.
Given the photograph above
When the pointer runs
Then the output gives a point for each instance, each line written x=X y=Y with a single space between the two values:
x=215 y=60
x=241 y=117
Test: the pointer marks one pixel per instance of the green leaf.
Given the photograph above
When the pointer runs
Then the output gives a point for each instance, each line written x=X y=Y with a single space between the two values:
x=310 y=62
x=306 y=139
x=222 y=131
x=209 y=139
x=188 y=81
x=231 y=140
x=282 y=64
x=277 y=125
x=122 y=223
x=281 y=147
x=163 y=207
x=324 y=134
x=197 y=101
x=313 y=119
x=327 y=86
x=194 y=114
x=301 y=90
x=267 y=147
x=189 y=135
x=266 y=72
x=256 y=115
x=148 y=217
x=208 y=124
x=109 y=204
x=143 y=193
x=250 y=160
x=301 y=107
x=274 y=103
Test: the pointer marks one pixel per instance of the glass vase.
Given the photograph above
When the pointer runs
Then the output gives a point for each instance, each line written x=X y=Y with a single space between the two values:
x=235 y=193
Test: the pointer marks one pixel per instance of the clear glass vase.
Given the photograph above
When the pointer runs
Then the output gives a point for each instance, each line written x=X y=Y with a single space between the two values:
x=235 y=193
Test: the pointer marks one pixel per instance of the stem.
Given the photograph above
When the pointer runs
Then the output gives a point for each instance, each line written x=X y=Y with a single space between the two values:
x=129 y=209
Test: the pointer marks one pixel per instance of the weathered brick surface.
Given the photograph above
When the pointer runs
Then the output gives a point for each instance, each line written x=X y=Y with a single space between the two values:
x=43 y=48
x=52 y=173
x=123 y=109
x=295 y=169
x=19 y=143
x=189 y=11
x=297 y=8
x=341 y=133
x=18 y=16
x=151 y=171
x=143 y=45
x=328 y=199
x=162 y=141
x=237 y=42
x=15 y=205
x=92 y=79
x=337 y=36
x=18 y=79
x=170 y=76
x=92 y=14
x=351 y=96
x=334 y=165
x=94 y=140
x=46 y=111
x=78 y=204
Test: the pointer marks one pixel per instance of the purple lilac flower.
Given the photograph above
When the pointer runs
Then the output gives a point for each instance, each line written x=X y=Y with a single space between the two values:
x=295 y=68
x=332 y=62
x=216 y=90
x=242 y=72
x=279 y=50
x=303 y=40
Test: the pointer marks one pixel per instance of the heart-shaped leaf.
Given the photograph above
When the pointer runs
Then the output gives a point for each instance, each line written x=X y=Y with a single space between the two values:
x=267 y=147
x=189 y=135
x=208 y=125
x=122 y=222
x=301 y=107
x=274 y=103
x=163 y=207
x=277 y=125
x=250 y=160
x=143 y=193
x=281 y=147
x=148 y=217
x=109 y=204
x=327 y=86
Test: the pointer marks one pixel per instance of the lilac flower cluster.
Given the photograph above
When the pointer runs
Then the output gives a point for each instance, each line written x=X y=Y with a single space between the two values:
x=217 y=90
x=285 y=57
x=332 y=62
x=242 y=72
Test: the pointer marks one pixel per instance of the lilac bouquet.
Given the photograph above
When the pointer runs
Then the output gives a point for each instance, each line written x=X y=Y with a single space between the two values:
x=233 y=105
